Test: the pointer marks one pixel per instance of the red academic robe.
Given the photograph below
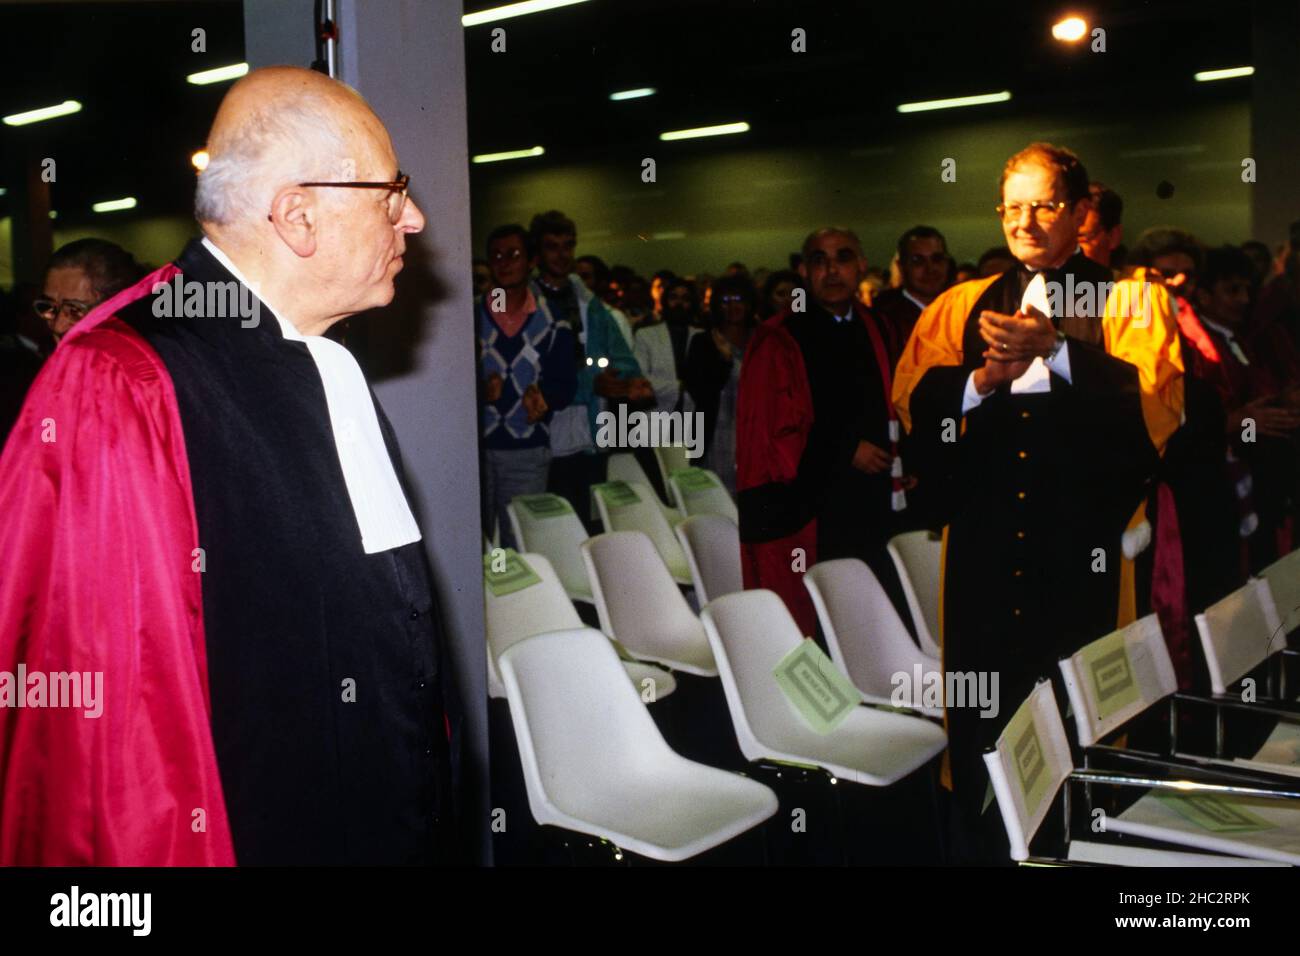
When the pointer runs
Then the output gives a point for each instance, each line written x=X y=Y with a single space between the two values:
x=774 y=414
x=774 y=419
x=111 y=590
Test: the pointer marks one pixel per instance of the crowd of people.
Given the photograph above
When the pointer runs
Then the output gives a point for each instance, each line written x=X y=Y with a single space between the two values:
x=1100 y=430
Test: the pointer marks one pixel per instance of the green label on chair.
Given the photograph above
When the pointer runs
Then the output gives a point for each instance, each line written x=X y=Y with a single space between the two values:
x=618 y=494
x=693 y=480
x=1029 y=761
x=821 y=694
x=545 y=506
x=1109 y=672
x=1213 y=813
x=505 y=572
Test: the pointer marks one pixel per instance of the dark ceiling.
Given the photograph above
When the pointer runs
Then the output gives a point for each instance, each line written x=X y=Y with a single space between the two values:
x=126 y=64
x=725 y=60
x=710 y=60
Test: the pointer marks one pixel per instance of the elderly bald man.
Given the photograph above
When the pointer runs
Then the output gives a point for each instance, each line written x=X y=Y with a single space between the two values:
x=203 y=511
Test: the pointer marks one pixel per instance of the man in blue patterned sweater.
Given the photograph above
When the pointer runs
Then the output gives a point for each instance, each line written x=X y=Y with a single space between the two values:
x=528 y=371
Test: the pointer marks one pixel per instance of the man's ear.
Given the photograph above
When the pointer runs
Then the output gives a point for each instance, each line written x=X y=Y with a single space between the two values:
x=803 y=270
x=293 y=214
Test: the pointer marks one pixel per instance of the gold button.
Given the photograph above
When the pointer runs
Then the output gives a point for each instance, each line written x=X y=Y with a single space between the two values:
x=1022 y=454
x=1016 y=612
x=1018 y=573
x=1020 y=534
x=1020 y=495
x=1024 y=414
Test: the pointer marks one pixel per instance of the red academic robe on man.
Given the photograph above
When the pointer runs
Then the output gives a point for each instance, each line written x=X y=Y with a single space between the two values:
x=111 y=590
x=774 y=414
x=791 y=496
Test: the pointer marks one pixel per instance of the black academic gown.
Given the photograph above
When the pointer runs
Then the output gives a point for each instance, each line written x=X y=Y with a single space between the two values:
x=852 y=508
x=296 y=612
x=1033 y=488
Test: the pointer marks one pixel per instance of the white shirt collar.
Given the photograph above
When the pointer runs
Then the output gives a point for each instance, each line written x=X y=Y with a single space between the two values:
x=287 y=328
x=380 y=505
x=914 y=300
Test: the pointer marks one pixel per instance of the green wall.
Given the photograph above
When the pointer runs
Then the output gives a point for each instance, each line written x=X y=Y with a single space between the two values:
x=756 y=205
x=709 y=207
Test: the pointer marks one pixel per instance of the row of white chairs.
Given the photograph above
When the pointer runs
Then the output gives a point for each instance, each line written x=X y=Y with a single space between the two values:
x=867 y=642
x=687 y=497
x=1199 y=809
x=740 y=637
x=700 y=550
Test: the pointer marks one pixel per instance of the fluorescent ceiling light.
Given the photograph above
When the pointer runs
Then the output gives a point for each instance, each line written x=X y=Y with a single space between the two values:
x=1207 y=75
x=514 y=10
x=980 y=100
x=113 y=205
x=632 y=94
x=508 y=154
x=3 y=190
x=720 y=130
x=219 y=75
x=65 y=108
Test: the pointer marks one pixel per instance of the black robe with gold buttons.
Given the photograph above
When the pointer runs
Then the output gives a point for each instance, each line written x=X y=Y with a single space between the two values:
x=1036 y=490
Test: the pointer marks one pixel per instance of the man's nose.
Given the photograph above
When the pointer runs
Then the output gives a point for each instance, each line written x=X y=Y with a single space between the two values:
x=412 y=218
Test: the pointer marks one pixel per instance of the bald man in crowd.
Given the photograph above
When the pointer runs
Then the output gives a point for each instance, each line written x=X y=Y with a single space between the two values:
x=204 y=512
x=817 y=469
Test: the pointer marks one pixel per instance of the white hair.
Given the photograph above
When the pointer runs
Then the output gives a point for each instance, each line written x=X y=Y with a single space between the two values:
x=297 y=139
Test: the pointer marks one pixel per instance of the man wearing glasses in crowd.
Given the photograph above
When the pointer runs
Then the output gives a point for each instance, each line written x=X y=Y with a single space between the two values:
x=1037 y=401
x=926 y=268
x=207 y=510
x=817 y=469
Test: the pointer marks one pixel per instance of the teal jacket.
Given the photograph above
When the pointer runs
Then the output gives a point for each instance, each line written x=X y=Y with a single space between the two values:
x=600 y=338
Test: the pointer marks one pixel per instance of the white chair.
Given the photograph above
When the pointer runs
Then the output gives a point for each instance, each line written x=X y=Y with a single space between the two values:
x=1031 y=761
x=541 y=607
x=867 y=639
x=594 y=761
x=670 y=458
x=630 y=506
x=1126 y=673
x=1238 y=633
x=919 y=558
x=698 y=491
x=1283 y=577
x=624 y=466
x=1117 y=677
x=640 y=607
x=546 y=524
x=751 y=633
x=712 y=546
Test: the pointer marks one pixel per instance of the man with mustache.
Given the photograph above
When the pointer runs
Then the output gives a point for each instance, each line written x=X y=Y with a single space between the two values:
x=208 y=507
